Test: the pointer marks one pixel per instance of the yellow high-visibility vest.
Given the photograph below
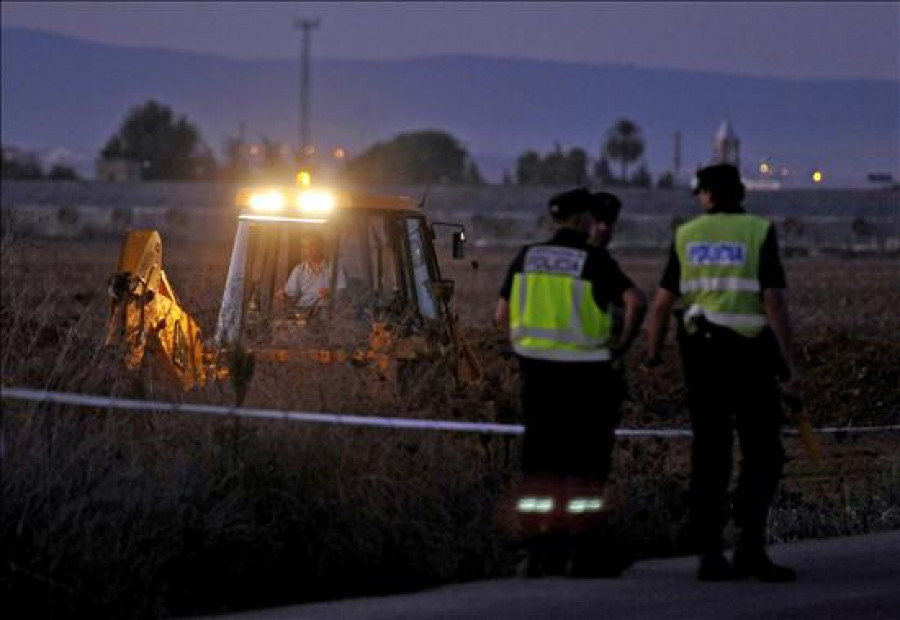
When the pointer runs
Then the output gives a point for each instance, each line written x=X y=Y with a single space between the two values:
x=719 y=259
x=553 y=315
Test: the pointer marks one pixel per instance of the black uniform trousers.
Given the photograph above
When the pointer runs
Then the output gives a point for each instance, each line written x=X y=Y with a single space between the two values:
x=731 y=386
x=571 y=411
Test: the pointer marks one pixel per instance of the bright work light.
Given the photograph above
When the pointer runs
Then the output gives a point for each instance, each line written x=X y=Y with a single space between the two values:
x=267 y=202
x=315 y=202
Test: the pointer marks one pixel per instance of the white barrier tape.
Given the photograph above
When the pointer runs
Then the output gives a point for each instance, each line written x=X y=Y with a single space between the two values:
x=837 y=430
x=84 y=400
x=106 y=402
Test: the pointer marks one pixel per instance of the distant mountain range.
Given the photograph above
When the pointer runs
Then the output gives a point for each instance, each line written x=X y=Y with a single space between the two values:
x=63 y=97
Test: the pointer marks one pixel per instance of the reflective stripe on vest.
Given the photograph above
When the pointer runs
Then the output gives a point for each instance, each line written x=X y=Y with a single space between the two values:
x=720 y=284
x=719 y=259
x=553 y=315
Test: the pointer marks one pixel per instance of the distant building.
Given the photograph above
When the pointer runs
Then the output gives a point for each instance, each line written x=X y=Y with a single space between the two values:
x=726 y=146
x=118 y=170
x=753 y=185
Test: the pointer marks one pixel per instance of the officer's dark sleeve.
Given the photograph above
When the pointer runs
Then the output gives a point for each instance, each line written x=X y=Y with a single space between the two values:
x=608 y=280
x=619 y=282
x=514 y=268
x=672 y=275
x=771 y=271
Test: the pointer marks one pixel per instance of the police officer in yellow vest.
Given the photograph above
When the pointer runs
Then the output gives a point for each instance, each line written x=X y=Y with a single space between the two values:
x=556 y=301
x=733 y=329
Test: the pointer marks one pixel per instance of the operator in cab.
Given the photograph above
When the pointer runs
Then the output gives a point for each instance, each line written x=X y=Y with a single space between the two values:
x=309 y=283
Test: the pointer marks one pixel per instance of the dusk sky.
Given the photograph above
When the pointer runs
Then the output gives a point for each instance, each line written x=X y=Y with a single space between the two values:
x=793 y=40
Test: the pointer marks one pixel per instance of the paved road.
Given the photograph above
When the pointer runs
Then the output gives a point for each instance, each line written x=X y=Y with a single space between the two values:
x=852 y=578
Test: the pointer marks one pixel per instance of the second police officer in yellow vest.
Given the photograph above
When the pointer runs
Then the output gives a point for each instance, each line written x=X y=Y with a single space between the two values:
x=735 y=343
x=557 y=301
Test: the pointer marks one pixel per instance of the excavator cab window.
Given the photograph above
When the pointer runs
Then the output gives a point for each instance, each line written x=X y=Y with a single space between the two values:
x=381 y=266
x=368 y=256
x=273 y=252
x=422 y=265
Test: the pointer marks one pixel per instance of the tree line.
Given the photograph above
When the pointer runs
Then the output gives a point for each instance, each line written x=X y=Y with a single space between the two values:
x=160 y=145
x=18 y=165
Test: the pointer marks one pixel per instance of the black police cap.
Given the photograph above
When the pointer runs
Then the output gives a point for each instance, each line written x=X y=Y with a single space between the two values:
x=605 y=207
x=570 y=202
x=721 y=177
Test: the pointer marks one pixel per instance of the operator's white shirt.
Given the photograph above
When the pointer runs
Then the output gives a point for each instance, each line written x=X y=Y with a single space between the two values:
x=306 y=283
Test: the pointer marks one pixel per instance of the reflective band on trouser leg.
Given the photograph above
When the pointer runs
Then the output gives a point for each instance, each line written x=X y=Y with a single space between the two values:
x=580 y=505
x=529 y=503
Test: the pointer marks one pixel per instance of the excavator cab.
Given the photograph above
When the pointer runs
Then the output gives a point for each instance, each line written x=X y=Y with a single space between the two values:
x=379 y=264
x=380 y=296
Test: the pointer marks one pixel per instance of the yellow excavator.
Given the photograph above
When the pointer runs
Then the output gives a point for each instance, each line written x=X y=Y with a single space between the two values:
x=386 y=301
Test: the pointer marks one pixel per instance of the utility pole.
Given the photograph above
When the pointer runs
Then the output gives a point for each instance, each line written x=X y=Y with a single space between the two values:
x=306 y=26
x=677 y=162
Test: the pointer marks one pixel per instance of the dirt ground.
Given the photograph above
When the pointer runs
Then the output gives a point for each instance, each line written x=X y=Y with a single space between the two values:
x=844 y=310
x=204 y=489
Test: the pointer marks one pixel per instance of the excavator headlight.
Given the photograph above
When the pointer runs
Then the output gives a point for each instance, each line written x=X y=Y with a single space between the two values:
x=271 y=201
x=315 y=202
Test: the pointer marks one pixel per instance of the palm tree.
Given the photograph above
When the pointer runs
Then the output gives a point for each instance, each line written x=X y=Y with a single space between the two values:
x=625 y=143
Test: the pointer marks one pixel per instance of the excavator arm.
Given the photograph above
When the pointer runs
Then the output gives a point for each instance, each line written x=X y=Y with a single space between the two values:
x=144 y=312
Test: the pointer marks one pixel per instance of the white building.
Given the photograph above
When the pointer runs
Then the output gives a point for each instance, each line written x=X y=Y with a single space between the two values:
x=726 y=146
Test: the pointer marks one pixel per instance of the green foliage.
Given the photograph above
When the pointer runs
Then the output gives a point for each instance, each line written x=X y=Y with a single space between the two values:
x=236 y=166
x=624 y=143
x=528 y=168
x=267 y=161
x=422 y=157
x=642 y=177
x=666 y=181
x=18 y=166
x=555 y=168
x=169 y=147
x=62 y=172
x=473 y=174
x=602 y=172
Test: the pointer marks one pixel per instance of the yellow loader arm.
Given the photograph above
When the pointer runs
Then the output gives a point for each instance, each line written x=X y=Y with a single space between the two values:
x=145 y=312
x=469 y=370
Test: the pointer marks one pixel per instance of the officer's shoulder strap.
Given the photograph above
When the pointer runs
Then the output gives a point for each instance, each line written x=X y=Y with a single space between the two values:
x=759 y=220
x=692 y=223
x=706 y=218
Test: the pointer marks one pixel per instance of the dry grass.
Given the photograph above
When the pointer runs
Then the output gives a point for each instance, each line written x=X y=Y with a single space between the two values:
x=143 y=515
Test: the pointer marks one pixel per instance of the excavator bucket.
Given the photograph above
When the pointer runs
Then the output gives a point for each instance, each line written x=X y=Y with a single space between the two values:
x=144 y=311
